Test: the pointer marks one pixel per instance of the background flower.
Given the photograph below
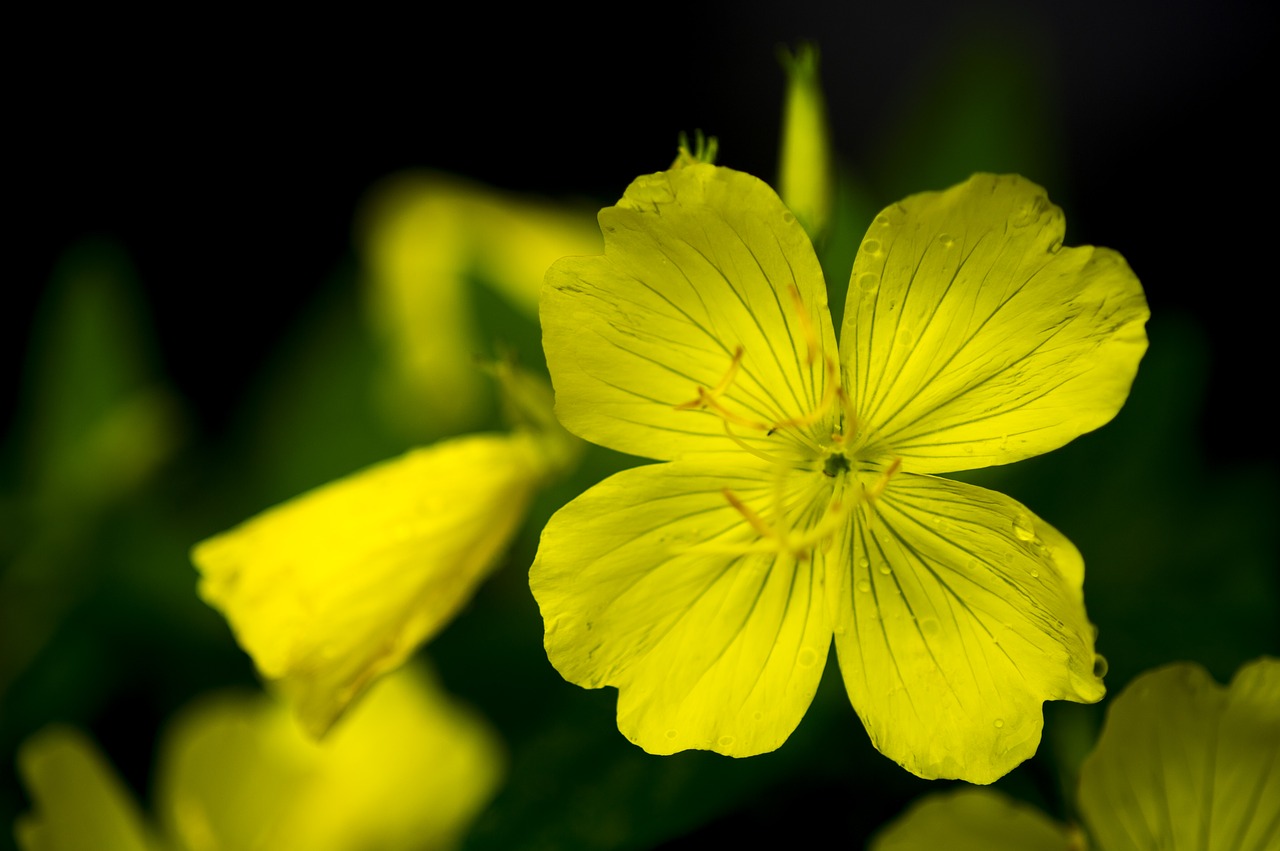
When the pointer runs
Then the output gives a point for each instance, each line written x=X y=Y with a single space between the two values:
x=409 y=769
x=1181 y=763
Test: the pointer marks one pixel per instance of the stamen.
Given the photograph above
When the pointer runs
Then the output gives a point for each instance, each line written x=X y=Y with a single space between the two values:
x=875 y=490
x=742 y=444
x=806 y=324
x=754 y=519
x=828 y=396
x=709 y=400
x=778 y=539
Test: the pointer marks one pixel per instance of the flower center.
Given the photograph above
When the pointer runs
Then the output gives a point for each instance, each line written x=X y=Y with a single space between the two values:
x=805 y=514
x=835 y=464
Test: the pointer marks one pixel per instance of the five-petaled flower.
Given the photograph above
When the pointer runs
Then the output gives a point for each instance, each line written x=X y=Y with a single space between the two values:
x=798 y=499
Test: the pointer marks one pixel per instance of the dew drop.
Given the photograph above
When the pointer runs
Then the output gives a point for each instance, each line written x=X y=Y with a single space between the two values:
x=868 y=282
x=864 y=585
x=671 y=734
x=806 y=658
x=930 y=626
x=725 y=741
x=999 y=722
x=882 y=220
x=885 y=569
x=788 y=218
x=758 y=715
x=968 y=450
x=974 y=564
x=946 y=239
x=1035 y=574
x=1055 y=246
x=863 y=563
x=1099 y=666
x=871 y=246
x=1023 y=528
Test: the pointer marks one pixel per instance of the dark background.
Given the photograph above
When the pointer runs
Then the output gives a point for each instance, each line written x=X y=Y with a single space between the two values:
x=227 y=155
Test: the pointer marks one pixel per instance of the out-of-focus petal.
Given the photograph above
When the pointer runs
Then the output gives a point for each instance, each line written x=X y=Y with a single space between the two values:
x=1184 y=763
x=339 y=585
x=79 y=802
x=427 y=238
x=973 y=820
x=406 y=770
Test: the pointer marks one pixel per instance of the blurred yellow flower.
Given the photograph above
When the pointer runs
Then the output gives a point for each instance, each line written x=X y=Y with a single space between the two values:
x=336 y=587
x=806 y=180
x=1181 y=763
x=797 y=501
x=426 y=238
x=408 y=769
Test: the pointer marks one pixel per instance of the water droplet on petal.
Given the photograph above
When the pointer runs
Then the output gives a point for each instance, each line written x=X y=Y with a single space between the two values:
x=930 y=626
x=788 y=218
x=862 y=562
x=1099 y=666
x=1055 y=246
x=671 y=734
x=999 y=722
x=864 y=585
x=1024 y=528
x=806 y=658
x=882 y=220
x=974 y=564
x=946 y=239
x=885 y=569
x=868 y=282
x=726 y=741
x=871 y=246
x=1035 y=574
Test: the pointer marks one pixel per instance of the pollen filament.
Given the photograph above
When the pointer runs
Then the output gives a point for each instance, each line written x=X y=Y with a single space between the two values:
x=779 y=539
x=872 y=493
x=806 y=324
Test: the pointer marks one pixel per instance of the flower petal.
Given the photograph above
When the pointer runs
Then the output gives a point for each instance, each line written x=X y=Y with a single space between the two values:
x=699 y=263
x=79 y=802
x=1185 y=763
x=970 y=819
x=960 y=614
x=338 y=586
x=972 y=337
x=643 y=585
x=406 y=769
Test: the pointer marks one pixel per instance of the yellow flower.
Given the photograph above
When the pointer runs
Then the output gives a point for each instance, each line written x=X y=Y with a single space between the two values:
x=1181 y=763
x=407 y=769
x=798 y=500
